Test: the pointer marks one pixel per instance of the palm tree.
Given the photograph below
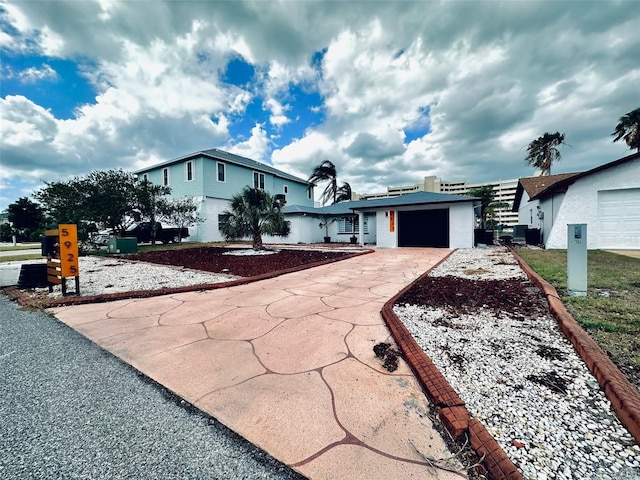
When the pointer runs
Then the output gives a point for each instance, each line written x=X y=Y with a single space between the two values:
x=326 y=172
x=542 y=152
x=254 y=213
x=488 y=204
x=629 y=129
x=344 y=193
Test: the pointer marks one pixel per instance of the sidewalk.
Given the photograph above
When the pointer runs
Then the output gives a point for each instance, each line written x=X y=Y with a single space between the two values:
x=288 y=363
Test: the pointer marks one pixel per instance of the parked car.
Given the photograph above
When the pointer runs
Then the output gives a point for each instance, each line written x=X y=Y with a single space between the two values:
x=101 y=238
x=144 y=232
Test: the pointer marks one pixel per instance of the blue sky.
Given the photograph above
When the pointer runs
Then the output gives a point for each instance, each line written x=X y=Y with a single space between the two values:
x=389 y=91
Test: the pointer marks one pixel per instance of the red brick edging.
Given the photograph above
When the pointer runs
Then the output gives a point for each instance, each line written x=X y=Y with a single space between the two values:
x=451 y=410
x=622 y=394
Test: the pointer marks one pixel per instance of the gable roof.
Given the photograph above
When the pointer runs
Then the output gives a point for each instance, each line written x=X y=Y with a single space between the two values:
x=562 y=182
x=348 y=208
x=536 y=185
x=216 y=154
x=600 y=168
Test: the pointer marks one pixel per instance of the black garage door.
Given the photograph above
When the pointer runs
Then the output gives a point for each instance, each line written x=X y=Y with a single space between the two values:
x=424 y=228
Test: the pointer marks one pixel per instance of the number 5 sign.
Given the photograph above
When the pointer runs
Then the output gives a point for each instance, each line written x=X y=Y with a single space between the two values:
x=68 y=234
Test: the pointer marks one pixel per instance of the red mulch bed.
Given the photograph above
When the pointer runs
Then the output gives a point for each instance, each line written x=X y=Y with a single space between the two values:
x=211 y=259
x=520 y=298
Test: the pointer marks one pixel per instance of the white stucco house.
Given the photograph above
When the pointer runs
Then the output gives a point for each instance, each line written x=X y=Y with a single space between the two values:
x=421 y=219
x=606 y=198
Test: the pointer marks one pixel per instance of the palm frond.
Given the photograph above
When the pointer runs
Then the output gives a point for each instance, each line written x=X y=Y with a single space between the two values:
x=543 y=152
x=325 y=172
x=344 y=193
x=628 y=129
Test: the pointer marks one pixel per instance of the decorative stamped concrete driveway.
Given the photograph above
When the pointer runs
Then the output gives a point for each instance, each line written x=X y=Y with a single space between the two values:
x=288 y=363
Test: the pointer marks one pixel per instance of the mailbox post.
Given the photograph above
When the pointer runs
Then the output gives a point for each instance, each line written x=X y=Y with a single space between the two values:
x=61 y=248
x=577 y=259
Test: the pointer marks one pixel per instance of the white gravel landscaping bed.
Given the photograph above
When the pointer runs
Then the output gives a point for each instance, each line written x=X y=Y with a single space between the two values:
x=524 y=381
x=99 y=275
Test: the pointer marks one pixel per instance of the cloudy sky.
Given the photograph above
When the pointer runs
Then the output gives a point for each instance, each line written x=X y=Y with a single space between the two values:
x=388 y=91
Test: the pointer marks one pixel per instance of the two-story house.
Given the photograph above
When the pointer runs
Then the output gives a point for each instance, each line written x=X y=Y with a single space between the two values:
x=213 y=176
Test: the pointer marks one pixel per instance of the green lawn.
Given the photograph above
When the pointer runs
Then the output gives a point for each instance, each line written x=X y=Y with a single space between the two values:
x=11 y=248
x=611 y=310
x=34 y=254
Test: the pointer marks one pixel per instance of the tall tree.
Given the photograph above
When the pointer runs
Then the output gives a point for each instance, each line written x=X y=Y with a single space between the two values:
x=543 y=151
x=488 y=205
x=254 y=213
x=182 y=212
x=326 y=172
x=151 y=204
x=112 y=198
x=64 y=201
x=27 y=218
x=628 y=129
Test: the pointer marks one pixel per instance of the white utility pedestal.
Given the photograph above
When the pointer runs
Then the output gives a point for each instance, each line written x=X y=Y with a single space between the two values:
x=577 y=259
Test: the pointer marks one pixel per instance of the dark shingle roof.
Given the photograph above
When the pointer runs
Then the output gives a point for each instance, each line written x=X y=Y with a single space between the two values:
x=345 y=208
x=416 y=198
x=535 y=185
x=341 y=208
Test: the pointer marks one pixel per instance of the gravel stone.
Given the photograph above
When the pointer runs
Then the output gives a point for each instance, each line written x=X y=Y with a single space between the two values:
x=100 y=275
x=523 y=380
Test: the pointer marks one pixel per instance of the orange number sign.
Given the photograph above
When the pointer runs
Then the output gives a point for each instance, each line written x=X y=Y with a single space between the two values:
x=68 y=235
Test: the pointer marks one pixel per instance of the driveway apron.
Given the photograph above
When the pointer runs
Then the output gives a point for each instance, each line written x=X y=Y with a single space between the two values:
x=288 y=363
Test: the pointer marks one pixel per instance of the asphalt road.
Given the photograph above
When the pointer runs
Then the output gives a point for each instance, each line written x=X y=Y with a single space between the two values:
x=68 y=409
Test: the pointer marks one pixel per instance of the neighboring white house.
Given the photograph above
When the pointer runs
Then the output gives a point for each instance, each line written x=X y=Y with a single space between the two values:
x=421 y=219
x=213 y=176
x=606 y=198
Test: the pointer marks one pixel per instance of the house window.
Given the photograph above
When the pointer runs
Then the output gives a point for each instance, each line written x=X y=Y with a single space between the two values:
x=352 y=225
x=309 y=193
x=222 y=174
x=145 y=177
x=222 y=219
x=285 y=189
x=165 y=177
x=188 y=171
x=258 y=180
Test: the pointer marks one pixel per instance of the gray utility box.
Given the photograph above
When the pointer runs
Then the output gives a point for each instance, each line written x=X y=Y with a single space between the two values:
x=577 y=259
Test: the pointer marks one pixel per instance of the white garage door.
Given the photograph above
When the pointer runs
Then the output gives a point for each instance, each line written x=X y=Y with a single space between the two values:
x=619 y=218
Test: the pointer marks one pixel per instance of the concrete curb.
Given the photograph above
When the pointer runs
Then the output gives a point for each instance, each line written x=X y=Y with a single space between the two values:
x=451 y=409
x=25 y=300
x=622 y=394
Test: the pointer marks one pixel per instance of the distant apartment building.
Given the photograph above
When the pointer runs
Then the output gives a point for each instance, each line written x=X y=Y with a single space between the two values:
x=505 y=192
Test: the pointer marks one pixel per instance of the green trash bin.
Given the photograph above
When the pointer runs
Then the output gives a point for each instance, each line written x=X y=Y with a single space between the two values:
x=123 y=245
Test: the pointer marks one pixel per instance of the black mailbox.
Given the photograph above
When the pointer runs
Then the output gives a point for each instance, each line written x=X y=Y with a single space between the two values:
x=48 y=244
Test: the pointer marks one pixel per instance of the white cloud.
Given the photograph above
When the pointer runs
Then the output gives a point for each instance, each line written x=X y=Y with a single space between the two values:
x=278 y=117
x=25 y=123
x=33 y=74
x=256 y=147
x=491 y=76
x=301 y=155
